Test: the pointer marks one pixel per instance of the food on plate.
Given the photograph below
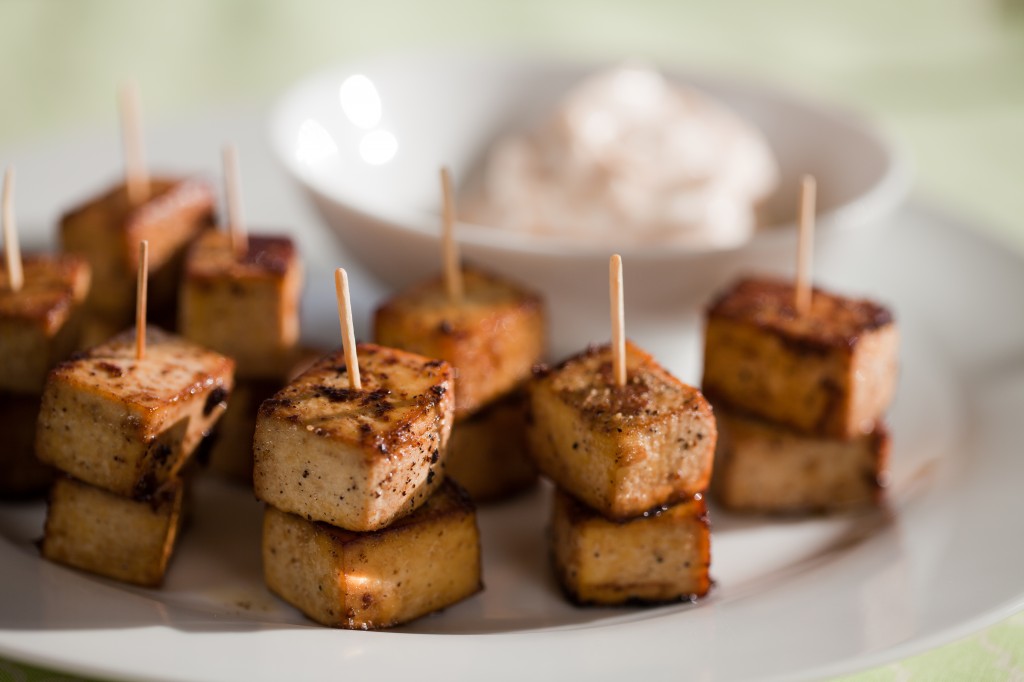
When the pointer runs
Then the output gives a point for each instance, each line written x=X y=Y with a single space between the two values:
x=630 y=154
x=800 y=396
x=106 y=230
x=40 y=322
x=112 y=535
x=422 y=562
x=128 y=425
x=622 y=450
x=356 y=458
x=831 y=372
x=488 y=452
x=656 y=558
x=767 y=468
x=492 y=335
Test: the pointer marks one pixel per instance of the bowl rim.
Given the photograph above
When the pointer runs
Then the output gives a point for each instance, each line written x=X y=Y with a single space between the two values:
x=881 y=198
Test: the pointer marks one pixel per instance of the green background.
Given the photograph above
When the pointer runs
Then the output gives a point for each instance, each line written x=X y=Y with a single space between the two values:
x=944 y=77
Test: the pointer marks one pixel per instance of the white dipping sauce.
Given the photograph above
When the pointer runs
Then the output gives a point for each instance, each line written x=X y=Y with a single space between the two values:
x=629 y=154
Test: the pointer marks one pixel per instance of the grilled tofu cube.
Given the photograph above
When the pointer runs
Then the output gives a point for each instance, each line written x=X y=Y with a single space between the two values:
x=21 y=474
x=492 y=338
x=110 y=535
x=488 y=453
x=659 y=558
x=244 y=306
x=126 y=425
x=765 y=468
x=621 y=450
x=357 y=459
x=422 y=563
x=107 y=230
x=831 y=372
x=40 y=324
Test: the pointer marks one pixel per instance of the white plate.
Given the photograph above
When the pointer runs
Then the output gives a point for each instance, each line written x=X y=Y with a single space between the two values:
x=793 y=599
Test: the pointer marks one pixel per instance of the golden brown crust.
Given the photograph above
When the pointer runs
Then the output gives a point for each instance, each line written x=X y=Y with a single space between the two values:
x=833 y=321
x=492 y=337
x=267 y=255
x=53 y=285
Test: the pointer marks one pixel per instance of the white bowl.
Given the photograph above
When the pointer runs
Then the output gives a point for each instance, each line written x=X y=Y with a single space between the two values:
x=369 y=159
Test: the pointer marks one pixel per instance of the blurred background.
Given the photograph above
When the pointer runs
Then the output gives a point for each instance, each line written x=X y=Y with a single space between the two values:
x=945 y=77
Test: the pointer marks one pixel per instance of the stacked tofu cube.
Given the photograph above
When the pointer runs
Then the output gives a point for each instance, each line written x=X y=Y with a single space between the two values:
x=493 y=337
x=246 y=306
x=800 y=399
x=362 y=530
x=631 y=465
x=106 y=232
x=39 y=326
x=120 y=431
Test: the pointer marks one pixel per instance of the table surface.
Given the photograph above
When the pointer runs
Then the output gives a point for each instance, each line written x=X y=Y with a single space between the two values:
x=944 y=77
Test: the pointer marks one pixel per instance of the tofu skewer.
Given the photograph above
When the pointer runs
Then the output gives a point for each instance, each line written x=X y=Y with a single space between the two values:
x=493 y=331
x=629 y=448
x=800 y=379
x=40 y=320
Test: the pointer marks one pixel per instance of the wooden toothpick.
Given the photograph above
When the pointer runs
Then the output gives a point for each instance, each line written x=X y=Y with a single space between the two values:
x=805 y=245
x=618 y=320
x=452 y=267
x=233 y=199
x=348 y=336
x=136 y=176
x=140 y=301
x=15 y=274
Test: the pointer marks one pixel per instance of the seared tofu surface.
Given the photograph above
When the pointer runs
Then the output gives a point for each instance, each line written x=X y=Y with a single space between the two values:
x=244 y=305
x=832 y=372
x=21 y=473
x=107 y=230
x=493 y=337
x=40 y=324
x=421 y=563
x=127 y=425
x=761 y=467
x=357 y=459
x=659 y=558
x=111 y=535
x=488 y=454
x=621 y=450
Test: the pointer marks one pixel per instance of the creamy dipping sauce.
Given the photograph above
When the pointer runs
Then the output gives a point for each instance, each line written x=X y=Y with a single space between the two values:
x=629 y=154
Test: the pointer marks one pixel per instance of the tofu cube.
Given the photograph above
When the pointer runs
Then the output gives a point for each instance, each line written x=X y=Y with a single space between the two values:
x=21 y=473
x=125 y=425
x=492 y=338
x=107 y=230
x=488 y=454
x=110 y=535
x=245 y=306
x=831 y=372
x=622 y=450
x=421 y=563
x=357 y=459
x=761 y=467
x=659 y=558
x=40 y=323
